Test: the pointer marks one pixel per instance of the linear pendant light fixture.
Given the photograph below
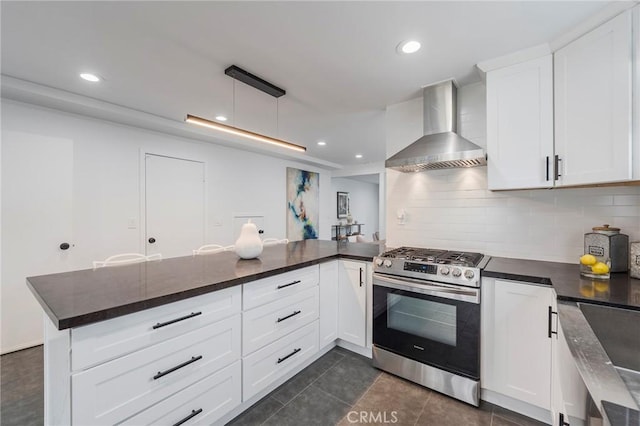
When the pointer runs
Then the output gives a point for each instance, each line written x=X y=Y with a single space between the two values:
x=246 y=77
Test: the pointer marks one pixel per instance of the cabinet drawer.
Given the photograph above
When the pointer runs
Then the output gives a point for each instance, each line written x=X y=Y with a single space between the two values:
x=272 y=362
x=106 y=340
x=118 y=389
x=267 y=290
x=266 y=324
x=203 y=402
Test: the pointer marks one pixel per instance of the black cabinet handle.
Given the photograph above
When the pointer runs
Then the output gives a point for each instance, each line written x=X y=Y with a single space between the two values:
x=261 y=231
x=547 y=168
x=361 y=277
x=550 y=319
x=163 y=324
x=289 y=316
x=295 y=351
x=287 y=285
x=152 y=240
x=177 y=367
x=556 y=167
x=64 y=246
x=189 y=417
x=562 y=422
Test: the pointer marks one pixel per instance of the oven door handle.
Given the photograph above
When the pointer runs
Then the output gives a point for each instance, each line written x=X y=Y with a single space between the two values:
x=430 y=288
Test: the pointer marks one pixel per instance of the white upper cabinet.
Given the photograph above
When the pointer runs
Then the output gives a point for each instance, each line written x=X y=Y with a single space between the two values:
x=593 y=120
x=520 y=125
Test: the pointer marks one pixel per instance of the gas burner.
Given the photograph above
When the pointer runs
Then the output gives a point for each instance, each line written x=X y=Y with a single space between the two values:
x=460 y=258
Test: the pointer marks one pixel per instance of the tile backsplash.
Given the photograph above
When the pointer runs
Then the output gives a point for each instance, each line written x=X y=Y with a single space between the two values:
x=452 y=209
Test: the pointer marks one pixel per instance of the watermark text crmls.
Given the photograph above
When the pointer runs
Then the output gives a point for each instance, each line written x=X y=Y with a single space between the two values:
x=377 y=417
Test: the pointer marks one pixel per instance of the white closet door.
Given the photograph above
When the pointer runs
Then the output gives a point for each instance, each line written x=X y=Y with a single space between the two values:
x=37 y=185
x=174 y=205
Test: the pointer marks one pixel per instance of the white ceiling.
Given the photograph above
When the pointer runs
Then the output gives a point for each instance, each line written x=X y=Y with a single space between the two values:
x=336 y=60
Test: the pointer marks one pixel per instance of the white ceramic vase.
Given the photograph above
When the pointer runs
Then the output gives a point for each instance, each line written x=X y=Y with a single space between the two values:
x=249 y=244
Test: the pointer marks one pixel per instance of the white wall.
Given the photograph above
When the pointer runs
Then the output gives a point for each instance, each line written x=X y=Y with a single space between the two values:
x=364 y=201
x=106 y=195
x=452 y=209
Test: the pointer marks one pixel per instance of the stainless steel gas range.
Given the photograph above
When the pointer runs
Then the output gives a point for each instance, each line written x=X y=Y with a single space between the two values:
x=426 y=318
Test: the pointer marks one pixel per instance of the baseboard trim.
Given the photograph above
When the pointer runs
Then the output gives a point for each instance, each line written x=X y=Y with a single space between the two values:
x=520 y=407
x=368 y=352
x=21 y=347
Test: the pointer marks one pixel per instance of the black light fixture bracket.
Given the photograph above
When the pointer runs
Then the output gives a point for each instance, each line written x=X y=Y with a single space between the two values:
x=254 y=81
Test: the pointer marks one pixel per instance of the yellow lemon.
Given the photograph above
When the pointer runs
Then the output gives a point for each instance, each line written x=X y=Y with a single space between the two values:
x=588 y=259
x=600 y=268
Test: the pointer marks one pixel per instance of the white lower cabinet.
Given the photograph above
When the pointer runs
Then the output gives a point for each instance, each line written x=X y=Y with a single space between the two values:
x=526 y=365
x=328 y=303
x=113 y=391
x=272 y=321
x=203 y=403
x=353 y=280
x=516 y=346
x=274 y=361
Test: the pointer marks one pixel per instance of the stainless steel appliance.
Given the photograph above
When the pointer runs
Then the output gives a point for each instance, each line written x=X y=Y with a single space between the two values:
x=426 y=318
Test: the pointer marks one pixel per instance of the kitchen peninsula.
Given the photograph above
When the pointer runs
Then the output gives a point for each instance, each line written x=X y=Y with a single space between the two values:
x=202 y=336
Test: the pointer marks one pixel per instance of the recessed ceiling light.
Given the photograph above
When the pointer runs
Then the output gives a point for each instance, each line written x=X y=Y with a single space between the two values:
x=410 y=46
x=322 y=143
x=221 y=118
x=358 y=155
x=90 y=77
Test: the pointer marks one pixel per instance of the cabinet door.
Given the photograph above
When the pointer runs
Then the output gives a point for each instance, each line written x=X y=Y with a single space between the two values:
x=593 y=105
x=516 y=345
x=520 y=125
x=352 y=302
x=328 y=303
x=569 y=391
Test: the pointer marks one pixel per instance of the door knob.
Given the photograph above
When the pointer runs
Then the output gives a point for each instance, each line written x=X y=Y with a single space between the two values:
x=64 y=246
x=152 y=240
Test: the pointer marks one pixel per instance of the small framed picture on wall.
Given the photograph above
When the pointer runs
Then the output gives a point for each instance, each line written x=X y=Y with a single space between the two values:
x=343 y=204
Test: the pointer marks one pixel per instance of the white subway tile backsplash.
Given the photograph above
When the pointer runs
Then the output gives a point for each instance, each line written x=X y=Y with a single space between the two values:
x=452 y=209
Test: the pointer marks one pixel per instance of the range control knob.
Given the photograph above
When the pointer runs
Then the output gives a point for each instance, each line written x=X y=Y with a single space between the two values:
x=444 y=270
x=468 y=274
x=378 y=262
x=387 y=263
x=456 y=272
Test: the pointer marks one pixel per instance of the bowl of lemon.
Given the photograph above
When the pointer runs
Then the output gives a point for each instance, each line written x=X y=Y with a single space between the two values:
x=592 y=267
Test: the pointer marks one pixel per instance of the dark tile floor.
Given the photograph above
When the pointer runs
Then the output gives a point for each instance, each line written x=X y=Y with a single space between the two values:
x=340 y=388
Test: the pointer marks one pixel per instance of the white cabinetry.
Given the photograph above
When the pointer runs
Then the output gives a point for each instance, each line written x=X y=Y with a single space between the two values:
x=328 y=303
x=278 y=336
x=353 y=282
x=149 y=363
x=526 y=365
x=516 y=348
x=520 y=125
x=593 y=93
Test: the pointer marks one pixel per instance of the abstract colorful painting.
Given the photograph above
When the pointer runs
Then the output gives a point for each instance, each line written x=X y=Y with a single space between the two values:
x=303 y=204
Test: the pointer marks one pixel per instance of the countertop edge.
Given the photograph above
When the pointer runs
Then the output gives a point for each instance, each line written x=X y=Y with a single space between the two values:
x=591 y=360
x=62 y=323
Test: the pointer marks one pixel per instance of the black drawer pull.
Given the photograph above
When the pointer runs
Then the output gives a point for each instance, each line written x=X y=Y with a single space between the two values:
x=177 y=367
x=295 y=351
x=191 y=315
x=287 y=285
x=289 y=316
x=189 y=417
x=549 y=325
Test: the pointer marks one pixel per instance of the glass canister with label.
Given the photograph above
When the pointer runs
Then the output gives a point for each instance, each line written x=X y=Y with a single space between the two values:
x=607 y=243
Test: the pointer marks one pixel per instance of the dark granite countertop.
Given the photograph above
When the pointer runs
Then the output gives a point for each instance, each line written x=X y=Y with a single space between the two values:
x=620 y=290
x=72 y=299
x=619 y=415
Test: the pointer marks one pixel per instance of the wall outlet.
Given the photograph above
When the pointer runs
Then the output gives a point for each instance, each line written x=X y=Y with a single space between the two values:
x=132 y=223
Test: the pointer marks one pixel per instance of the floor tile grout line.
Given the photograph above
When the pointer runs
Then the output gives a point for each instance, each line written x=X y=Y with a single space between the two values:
x=423 y=407
x=363 y=394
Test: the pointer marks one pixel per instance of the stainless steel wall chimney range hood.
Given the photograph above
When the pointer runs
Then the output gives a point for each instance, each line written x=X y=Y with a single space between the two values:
x=440 y=147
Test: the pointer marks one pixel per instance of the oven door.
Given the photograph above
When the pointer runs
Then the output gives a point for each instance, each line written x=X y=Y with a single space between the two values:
x=432 y=323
